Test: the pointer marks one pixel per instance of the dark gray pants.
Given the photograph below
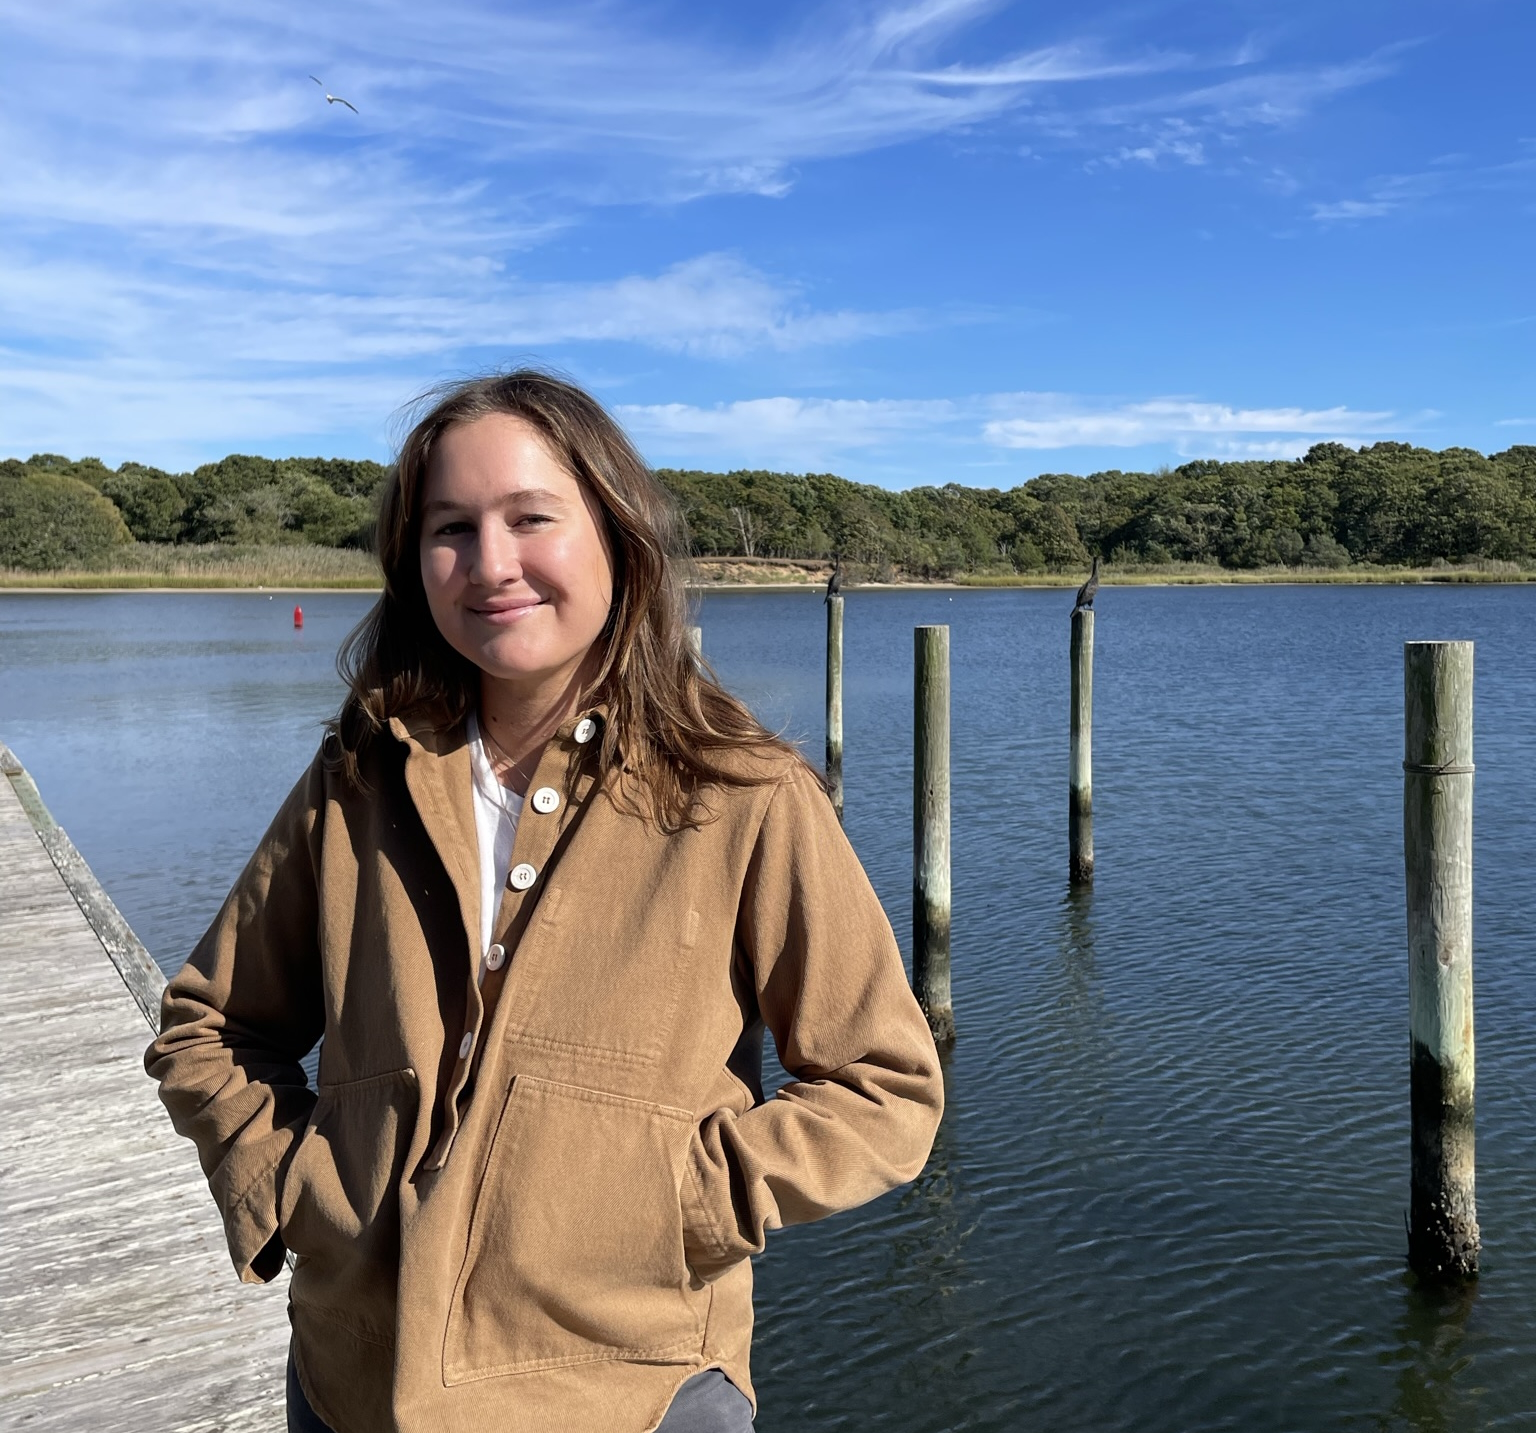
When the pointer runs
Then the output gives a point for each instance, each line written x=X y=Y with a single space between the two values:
x=708 y=1403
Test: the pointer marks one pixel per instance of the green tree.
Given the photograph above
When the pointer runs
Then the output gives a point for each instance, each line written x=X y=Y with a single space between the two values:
x=50 y=520
x=1043 y=534
x=149 y=500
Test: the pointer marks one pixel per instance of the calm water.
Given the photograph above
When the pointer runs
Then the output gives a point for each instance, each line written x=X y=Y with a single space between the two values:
x=1168 y=1193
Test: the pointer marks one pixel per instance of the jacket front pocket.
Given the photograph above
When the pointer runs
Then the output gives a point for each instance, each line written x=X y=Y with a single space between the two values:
x=575 y=1250
x=340 y=1205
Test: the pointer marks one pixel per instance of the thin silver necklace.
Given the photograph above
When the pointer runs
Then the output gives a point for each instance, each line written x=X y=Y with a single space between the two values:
x=504 y=796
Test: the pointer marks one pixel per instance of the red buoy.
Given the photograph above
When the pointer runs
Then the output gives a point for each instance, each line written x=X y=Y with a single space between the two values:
x=298 y=616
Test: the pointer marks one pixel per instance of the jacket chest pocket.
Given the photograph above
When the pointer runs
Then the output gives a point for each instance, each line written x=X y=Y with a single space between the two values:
x=634 y=949
x=575 y=1249
x=339 y=1210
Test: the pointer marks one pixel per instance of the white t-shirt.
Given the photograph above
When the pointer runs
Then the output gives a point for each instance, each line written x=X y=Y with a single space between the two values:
x=496 y=813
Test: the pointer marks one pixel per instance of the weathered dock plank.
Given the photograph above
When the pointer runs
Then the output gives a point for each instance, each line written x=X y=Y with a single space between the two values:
x=118 y=1306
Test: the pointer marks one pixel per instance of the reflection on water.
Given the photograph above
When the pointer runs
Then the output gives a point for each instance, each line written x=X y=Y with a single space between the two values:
x=928 y=1266
x=938 y=1222
x=1079 y=1010
x=1431 y=1360
x=1168 y=1192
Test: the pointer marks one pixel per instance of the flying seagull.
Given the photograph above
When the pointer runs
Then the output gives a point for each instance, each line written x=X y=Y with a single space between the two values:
x=835 y=581
x=1086 y=592
x=335 y=99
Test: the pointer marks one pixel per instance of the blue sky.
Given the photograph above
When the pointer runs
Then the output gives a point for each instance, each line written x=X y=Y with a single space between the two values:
x=936 y=241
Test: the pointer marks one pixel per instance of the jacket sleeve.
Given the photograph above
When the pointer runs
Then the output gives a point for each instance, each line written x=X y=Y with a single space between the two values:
x=235 y=1022
x=860 y=1115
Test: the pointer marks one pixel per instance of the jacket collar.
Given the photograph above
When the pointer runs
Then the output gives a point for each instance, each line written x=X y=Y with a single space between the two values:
x=439 y=778
x=419 y=730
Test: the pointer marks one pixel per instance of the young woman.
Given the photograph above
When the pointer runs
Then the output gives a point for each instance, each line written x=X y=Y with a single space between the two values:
x=540 y=891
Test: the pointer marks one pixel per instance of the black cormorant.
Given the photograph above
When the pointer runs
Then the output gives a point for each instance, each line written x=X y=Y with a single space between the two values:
x=1086 y=592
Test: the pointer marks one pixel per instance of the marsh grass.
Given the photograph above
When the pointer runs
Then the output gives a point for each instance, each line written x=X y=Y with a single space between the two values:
x=154 y=564
x=303 y=565
x=1201 y=574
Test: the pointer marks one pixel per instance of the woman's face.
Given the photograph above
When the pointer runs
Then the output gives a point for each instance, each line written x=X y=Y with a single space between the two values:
x=515 y=560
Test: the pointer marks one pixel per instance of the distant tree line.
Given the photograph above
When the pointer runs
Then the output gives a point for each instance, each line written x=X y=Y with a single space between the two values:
x=1389 y=504
x=239 y=500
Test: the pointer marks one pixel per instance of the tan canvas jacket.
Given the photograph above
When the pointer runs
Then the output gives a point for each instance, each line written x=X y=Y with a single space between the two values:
x=527 y=1205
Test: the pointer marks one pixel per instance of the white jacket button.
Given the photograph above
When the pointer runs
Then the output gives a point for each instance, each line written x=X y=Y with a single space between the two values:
x=522 y=876
x=466 y=1044
x=546 y=799
x=585 y=730
x=496 y=957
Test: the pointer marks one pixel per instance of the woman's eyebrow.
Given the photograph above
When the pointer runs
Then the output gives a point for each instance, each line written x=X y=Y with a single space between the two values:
x=536 y=495
x=533 y=495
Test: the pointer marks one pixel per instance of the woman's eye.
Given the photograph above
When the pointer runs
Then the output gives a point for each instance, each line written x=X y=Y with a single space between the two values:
x=453 y=529
x=534 y=519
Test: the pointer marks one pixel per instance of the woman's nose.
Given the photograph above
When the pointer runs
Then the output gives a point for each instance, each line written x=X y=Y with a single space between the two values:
x=494 y=559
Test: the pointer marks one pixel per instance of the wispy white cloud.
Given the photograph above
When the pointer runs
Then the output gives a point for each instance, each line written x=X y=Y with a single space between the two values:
x=798 y=425
x=1055 y=421
x=1282 y=95
x=816 y=431
x=1345 y=210
x=1383 y=197
x=1182 y=123
x=1274 y=449
x=714 y=305
x=1052 y=65
x=1451 y=178
x=1173 y=141
x=177 y=415
x=116 y=359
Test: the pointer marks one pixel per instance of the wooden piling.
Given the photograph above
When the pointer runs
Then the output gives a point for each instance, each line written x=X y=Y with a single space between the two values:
x=930 y=831
x=1443 y=1237
x=696 y=642
x=1080 y=761
x=835 y=702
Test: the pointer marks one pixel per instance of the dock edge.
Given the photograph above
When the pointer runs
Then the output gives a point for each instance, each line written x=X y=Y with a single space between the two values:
x=124 y=949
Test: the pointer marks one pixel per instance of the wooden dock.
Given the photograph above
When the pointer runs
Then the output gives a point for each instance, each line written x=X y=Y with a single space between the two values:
x=119 y=1309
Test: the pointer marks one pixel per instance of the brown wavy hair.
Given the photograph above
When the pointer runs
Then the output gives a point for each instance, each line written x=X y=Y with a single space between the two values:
x=671 y=728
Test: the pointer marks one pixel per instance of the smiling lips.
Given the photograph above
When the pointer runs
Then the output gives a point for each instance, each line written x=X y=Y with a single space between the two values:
x=503 y=613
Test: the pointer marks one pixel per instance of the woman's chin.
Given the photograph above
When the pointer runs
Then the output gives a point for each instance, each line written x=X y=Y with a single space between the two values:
x=521 y=669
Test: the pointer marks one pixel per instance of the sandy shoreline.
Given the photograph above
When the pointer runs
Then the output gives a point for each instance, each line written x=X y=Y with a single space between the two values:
x=699 y=588
x=1045 y=583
